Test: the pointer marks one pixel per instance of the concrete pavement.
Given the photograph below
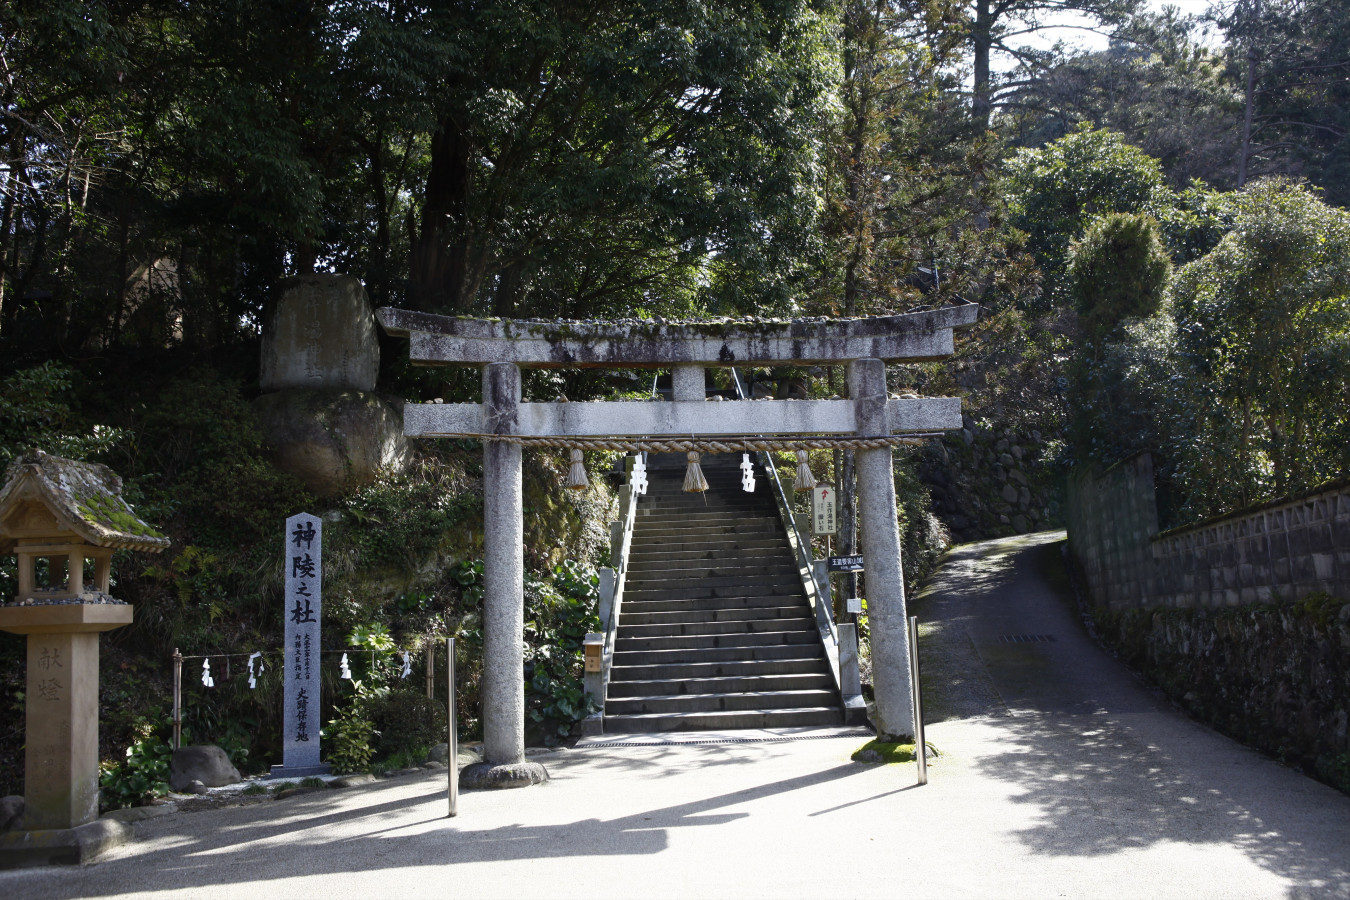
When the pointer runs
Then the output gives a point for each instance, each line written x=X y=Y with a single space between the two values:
x=1059 y=776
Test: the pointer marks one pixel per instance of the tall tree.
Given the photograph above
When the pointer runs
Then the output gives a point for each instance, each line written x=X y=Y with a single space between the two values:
x=1155 y=84
x=596 y=156
x=1293 y=59
x=996 y=27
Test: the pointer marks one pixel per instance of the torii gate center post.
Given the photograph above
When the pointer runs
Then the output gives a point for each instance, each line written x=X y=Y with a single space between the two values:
x=502 y=347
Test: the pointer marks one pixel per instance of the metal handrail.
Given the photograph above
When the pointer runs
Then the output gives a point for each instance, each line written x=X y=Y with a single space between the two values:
x=613 y=577
x=801 y=549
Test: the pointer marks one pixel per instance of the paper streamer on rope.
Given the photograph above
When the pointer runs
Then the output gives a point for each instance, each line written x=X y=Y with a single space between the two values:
x=804 y=481
x=256 y=655
x=694 y=482
x=345 y=670
x=638 y=481
x=576 y=476
x=407 y=664
x=747 y=474
x=207 y=680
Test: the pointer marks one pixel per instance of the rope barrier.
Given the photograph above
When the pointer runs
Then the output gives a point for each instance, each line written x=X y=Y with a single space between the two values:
x=707 y=445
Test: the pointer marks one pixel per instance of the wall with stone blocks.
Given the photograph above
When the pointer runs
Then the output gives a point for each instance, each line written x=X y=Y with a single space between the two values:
x=1111 y=519
x=1280 y=552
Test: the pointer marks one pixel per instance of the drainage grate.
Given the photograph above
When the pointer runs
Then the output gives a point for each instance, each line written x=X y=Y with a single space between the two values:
x=1026 y=638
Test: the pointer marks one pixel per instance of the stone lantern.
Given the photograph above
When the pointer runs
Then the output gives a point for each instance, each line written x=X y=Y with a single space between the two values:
x=62 y=520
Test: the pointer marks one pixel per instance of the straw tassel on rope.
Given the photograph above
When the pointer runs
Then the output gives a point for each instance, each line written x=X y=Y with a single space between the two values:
x=576 y=476
x=805 y=481
x=694 y=482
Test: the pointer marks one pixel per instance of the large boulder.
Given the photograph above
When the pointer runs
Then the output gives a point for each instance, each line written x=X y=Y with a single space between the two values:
x=322 y=335
x=333 y=441
x=207 y=764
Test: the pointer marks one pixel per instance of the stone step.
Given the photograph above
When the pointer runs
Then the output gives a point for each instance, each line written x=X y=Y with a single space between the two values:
x=712 y=641
x=729 y=544
x=730 y=684
x=729 y=626
x=723 y=614
x=680 y=703
x=685 y=671
x=637 y=587
x=724 y=720
x=695 y=604
x=693 y=590
x=683 y=525
x=696 y=557
x=679 y=570
x=749 y=505
x=714 y=654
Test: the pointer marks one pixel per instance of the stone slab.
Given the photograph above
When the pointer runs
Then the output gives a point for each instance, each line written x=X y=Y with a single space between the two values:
x=684 y=417
x=447 y=340
x=61 y=847
x=64 y=618
x=322 y=335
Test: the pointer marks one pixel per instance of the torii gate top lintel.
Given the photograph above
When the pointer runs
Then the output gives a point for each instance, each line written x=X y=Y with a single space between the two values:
x=645 y=343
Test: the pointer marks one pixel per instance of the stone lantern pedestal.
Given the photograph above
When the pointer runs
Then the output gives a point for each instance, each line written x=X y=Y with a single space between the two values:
x=59 y=517
x=61 y=712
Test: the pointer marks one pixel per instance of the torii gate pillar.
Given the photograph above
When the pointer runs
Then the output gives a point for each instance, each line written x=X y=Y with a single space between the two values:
x=886 y=615
x=503 y=690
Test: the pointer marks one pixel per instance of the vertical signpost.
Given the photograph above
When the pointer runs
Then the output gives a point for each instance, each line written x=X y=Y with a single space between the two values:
x=824 y=517
x=304 y=615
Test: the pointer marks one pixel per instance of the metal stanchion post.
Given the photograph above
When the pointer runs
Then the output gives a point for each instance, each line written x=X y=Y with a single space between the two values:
x=177 y=699
x=452 y=744
x=920 y=746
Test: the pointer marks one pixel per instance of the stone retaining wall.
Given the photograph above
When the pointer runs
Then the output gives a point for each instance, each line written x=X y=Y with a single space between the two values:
x=1279 y=552
x=1276 y=677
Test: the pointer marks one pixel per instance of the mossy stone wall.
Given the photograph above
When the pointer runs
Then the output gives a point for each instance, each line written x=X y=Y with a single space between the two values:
x=1276 y=678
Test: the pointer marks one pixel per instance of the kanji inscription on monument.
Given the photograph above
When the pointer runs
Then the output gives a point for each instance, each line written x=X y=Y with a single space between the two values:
x=304 y=614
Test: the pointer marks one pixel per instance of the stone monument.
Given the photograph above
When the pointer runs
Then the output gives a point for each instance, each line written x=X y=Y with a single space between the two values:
x=59 y=517
x=320 y=361
x=304 y=620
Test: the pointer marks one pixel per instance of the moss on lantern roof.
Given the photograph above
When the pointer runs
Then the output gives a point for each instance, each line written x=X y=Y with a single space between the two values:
x=87 y=496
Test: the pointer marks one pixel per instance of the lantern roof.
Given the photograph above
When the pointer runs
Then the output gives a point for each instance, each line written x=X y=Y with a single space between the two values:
x=50 y=497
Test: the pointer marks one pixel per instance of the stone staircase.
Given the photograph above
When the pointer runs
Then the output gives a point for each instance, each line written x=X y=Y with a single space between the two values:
x=715 y=631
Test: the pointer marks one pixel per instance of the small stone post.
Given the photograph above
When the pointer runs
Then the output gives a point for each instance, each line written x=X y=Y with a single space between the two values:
x=688 y=383
x=881 y=553
x=503 y=687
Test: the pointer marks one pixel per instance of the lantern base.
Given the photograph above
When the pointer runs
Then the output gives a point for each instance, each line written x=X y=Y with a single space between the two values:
x=61 y=846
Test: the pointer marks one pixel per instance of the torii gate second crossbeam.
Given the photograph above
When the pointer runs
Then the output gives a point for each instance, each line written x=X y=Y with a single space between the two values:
x=503 y=421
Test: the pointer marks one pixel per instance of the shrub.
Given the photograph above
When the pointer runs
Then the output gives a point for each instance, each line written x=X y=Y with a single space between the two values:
x=405 y=721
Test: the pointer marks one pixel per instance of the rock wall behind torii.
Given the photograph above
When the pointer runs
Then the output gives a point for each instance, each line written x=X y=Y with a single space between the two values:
x=1279 y=552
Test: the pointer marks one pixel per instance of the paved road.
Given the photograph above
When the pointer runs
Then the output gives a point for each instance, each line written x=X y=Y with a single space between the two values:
x=1060 y=777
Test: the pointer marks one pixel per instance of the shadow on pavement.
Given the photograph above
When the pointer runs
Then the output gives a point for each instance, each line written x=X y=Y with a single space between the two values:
x=310 y=835
x=1104 y=765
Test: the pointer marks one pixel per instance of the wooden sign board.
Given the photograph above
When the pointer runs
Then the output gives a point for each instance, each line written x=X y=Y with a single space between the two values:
x=845 y=563
x=824 y=510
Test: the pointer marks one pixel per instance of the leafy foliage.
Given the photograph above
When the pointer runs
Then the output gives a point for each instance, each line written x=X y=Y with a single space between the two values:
x=1264 y=328
x=1118 y=270
x=142 y=776
x=350 y=738
x=558 y=614
x=38 y=409
x=1056 y=192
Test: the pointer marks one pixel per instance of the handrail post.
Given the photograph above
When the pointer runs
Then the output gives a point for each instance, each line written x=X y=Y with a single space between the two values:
x=452 y=740
x=177 y=699
x=920 y=746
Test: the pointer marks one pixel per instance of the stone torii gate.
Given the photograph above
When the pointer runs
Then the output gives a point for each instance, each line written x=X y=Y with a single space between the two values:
x=868 y=420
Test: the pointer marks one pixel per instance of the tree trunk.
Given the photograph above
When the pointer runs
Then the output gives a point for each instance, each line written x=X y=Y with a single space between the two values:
x=1245 y=150
x=982 y=42
x=438 y=261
